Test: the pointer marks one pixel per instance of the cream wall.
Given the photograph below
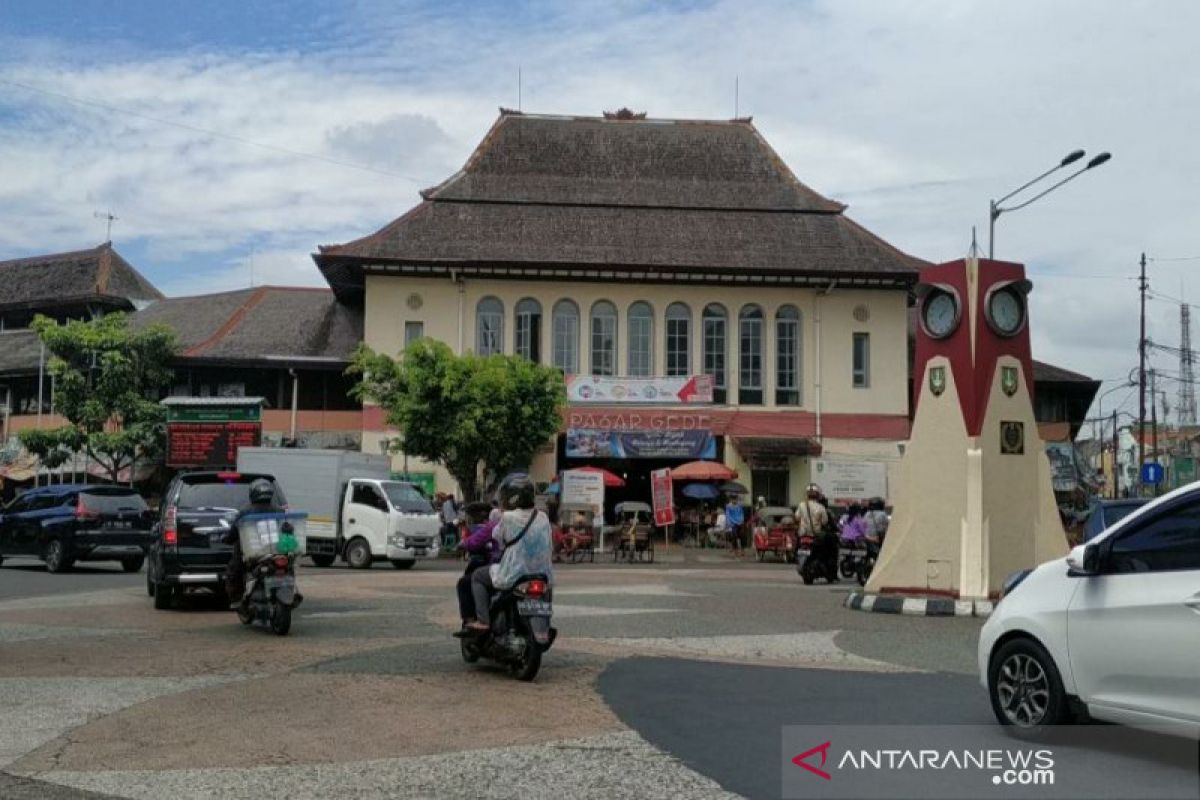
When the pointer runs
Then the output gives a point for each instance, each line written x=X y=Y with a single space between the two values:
x=447 y=311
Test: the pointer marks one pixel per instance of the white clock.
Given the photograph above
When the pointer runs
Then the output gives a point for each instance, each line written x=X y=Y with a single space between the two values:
x=940 y=313
x=1006 y=311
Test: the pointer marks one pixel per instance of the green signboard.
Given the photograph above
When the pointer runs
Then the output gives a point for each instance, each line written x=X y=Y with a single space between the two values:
x=427 y=481
x=1185 y=470
x=238 y=413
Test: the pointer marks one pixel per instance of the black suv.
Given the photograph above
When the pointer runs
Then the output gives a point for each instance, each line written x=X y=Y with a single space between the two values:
x=77 y=522
x=189 y=551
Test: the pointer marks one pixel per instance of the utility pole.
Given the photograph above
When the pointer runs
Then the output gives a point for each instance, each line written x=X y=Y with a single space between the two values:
x=1187 y=373
x=1142 y=286
x=1116 y=452
x=1154 y=426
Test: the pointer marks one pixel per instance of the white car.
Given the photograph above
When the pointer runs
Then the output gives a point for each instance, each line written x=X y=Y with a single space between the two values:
x=1112 y=630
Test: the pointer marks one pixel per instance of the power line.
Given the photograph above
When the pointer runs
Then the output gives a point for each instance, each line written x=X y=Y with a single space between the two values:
x=209 y=132
x=1178 y=258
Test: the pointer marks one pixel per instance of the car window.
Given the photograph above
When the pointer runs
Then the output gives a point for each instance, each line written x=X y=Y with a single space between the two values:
x=218 y=493
x=365 y=494
x=17 y=505
x=42 y=502
x=103 y=502
x=1168 y=541
x=407 y=498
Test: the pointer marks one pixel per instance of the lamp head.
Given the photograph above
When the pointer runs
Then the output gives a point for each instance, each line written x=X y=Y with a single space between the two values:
x=1098 y=160
x=1071 y=157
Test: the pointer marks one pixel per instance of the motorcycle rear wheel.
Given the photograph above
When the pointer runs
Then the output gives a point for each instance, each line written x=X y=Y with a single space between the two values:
x=526 y=669
x=281 y=618
x=470 y=653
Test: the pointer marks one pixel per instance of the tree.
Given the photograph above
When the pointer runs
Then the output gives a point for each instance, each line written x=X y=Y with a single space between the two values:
x=108 y=381
x=469 y=413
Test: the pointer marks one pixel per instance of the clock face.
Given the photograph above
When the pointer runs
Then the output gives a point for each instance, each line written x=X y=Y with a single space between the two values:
x=1006 y=311
x=940 y=314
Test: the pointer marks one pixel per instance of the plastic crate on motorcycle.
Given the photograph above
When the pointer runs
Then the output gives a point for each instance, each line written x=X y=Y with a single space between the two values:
x=264 y=534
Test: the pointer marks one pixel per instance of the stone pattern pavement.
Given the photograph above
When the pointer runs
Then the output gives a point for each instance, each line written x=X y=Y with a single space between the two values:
x=101 y=696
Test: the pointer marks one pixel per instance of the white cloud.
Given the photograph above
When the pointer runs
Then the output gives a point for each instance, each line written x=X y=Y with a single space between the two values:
x=915 y=113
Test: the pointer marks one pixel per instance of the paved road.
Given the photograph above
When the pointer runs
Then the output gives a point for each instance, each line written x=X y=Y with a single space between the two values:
x=100 y=693
x=21 y=577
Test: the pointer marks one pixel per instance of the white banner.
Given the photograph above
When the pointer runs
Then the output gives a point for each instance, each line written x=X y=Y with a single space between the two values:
x=856 y=481
x=585 y=488
x=650 y=391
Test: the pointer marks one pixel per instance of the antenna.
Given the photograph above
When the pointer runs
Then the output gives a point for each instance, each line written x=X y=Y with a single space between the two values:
x=109 y=219
x=519 y=88
x=736 y=98
x=252 y=249
x=974 y=251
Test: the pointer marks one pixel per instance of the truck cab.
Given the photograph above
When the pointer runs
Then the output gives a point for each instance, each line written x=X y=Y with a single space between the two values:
x=386 y=520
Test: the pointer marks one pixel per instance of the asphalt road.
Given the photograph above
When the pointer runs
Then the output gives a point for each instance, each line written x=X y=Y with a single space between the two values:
x=22 y=577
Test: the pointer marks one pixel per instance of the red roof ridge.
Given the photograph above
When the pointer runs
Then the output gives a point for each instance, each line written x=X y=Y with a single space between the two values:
x=230 y=324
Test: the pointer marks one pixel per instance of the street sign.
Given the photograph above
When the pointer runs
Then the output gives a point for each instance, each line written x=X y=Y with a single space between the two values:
x=1152 y=474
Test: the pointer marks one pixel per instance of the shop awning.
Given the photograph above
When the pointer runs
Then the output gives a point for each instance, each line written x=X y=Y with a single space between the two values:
x=770 y=452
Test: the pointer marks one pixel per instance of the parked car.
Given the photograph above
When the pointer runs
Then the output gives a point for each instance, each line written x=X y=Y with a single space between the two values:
x=63 y=524
x=1111 y=629
x=189 y=549
x=1104 y=514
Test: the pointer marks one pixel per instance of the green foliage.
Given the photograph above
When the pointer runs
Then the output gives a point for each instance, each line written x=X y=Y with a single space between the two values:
x=465 y=412
x=107 y=382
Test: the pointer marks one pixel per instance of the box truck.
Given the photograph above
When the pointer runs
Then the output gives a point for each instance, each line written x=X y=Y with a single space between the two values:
x=355 y=510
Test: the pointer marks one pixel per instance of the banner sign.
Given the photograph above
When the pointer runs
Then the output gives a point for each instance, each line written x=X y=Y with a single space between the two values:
x=663 y=497
x=594 y=443
x=652 y=391
x=843 y=481
x=583 y=488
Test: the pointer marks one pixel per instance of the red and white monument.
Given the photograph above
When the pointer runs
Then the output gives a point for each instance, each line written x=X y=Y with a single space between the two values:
x=974 y=500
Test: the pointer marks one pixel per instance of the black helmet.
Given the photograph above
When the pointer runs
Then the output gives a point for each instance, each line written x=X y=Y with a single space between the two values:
x=876 y=504
x=516 y=491
x=262 y=491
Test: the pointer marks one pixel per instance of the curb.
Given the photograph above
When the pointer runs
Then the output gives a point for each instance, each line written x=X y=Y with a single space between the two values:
x=918 y=606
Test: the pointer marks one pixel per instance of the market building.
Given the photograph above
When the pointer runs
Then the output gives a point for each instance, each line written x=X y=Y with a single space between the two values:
x=701 y=300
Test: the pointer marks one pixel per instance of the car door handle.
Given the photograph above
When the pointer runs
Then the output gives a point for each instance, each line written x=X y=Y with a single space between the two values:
x=1193 y=603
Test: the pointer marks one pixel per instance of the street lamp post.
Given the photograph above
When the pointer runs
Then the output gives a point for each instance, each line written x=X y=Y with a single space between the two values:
x=995 y=209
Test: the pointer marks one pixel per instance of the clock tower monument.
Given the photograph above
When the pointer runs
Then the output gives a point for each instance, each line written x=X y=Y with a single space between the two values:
x=974 y=500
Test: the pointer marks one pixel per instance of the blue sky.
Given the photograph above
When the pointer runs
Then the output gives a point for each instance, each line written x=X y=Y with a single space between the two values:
x=913 y=113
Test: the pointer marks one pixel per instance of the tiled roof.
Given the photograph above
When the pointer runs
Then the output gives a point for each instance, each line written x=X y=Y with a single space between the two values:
x=61 y=278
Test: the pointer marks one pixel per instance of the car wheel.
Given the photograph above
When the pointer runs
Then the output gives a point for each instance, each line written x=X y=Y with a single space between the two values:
x=164 y=596
x=1026 y=689
x=358 y=554
x=56 y=557
x=322 y=561
x=133 y=564
x=400 y=563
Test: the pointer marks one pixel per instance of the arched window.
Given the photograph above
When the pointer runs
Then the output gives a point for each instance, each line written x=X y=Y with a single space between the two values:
x=715 y=346
x=641 y=340
x=529 y=329
x=679 y=340
x=604 y=338
x=787 y=356
x=489 y=327
x=565 y=322
x=750 y=356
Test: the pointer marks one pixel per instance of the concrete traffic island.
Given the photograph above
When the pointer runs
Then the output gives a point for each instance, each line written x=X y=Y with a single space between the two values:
x=918 y=606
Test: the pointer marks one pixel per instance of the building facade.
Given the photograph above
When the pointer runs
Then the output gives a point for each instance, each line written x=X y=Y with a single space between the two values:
x=624 y=249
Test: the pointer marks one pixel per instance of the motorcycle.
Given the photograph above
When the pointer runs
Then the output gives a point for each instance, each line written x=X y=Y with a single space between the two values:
x=814 y=561
x=852 y=553
x=520 y=632
x=272 y=594
x=867 y=564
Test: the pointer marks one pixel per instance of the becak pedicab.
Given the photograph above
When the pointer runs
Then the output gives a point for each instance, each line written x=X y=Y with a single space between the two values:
x=635 y=526
x=577 y=522
x=775 y=533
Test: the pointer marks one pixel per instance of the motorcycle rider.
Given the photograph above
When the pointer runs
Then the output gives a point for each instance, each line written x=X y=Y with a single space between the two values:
x=877 y=521
x=813 y=518
x=262 y=501
x=525 y=534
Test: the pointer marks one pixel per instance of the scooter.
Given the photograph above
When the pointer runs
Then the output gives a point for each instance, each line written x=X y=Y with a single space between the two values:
x=813 y=560
x=867 y=564
x=520 y=631
x=271 y=593
x=852 y=553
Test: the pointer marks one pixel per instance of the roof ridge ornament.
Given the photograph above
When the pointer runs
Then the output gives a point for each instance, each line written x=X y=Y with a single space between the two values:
x=625 y=113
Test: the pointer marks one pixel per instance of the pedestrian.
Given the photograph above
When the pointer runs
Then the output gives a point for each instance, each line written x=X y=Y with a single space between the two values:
x=450 y=515
x=735 y=518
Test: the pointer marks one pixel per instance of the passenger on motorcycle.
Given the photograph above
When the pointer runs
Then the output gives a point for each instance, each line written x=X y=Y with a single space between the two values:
x=524 y=534
x=262 y=501
x=853 y=527
x=482 y=551
x=877 y=521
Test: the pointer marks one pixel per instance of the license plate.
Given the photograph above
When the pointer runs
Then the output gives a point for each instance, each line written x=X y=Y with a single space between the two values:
x=286 y=581
x=120 y=525
x=806 y=552
x=533 y=608
x=419 y=551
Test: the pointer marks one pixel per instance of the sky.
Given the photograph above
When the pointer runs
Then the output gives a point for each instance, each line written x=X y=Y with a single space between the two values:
x=231 y=138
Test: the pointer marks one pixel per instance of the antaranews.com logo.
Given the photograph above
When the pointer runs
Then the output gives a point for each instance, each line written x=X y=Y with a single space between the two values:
x=931 y=762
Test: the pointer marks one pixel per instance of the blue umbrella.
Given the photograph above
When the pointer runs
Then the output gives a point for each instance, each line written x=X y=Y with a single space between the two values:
x=553 y=488
x=701 y=491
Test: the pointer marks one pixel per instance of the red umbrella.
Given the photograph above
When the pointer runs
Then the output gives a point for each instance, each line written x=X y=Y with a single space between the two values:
x=703 y=471
x=611 y=479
